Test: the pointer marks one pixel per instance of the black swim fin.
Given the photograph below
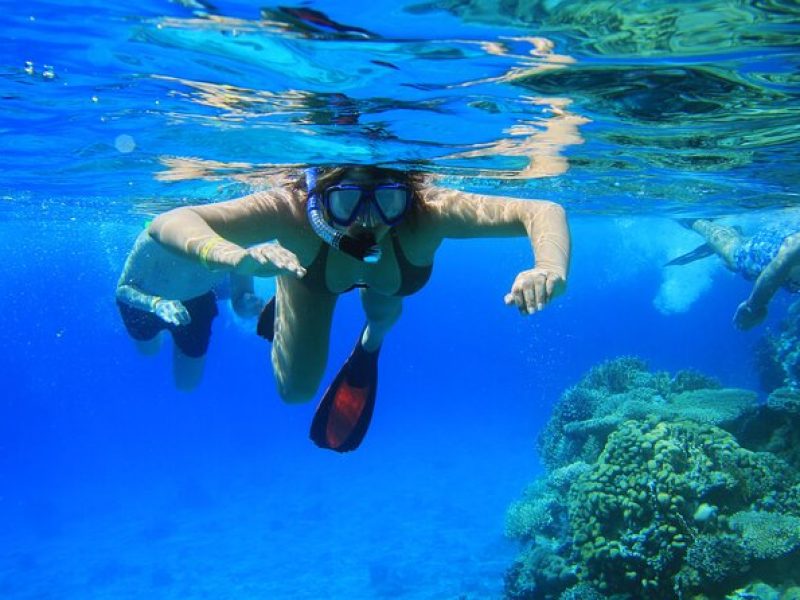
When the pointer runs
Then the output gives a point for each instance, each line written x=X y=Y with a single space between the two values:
x=345 y=411
x=690 y=257
x=266 y=321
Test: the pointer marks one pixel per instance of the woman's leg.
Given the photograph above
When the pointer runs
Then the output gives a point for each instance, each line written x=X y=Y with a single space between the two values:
x=302 y=333
x=723 y=240
x=382 y=313
x=344 y=413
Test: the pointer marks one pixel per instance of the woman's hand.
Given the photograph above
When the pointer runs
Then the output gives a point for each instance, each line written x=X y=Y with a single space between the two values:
x=748 y=316
x=534 y=288
x=269 y=260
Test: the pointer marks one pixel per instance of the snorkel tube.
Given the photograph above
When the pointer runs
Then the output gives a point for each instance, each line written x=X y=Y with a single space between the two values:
x=363 y=249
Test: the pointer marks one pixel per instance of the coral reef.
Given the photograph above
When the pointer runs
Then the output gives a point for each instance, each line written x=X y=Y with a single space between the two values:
x=623 y=389
x=778 y=353
x=661 y=487
x=776 y=427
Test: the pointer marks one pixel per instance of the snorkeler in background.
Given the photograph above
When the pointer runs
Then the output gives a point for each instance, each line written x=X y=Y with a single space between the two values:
x=160 y=290
x=347 y=227
x=771 y=257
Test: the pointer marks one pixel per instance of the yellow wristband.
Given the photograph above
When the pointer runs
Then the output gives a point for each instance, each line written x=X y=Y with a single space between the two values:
x=206 y=249
x=154 y=302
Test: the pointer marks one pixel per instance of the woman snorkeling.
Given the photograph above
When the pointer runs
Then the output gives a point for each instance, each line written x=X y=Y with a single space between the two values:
x=367 y=227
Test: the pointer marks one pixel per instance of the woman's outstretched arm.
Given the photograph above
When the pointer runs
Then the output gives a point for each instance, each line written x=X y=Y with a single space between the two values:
x=461 y=215
x=219 y=235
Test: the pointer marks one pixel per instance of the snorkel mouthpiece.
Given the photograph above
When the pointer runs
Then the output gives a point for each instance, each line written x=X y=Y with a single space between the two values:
x=362 y=248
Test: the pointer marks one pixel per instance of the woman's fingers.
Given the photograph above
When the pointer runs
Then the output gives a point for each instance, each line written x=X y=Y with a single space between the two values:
x=287 y=262
x=278 y=261
x=533 y=289
x=539 y=282
x=529 y=296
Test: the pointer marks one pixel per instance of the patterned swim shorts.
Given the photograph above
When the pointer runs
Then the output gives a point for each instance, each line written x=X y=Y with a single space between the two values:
x=755 y=254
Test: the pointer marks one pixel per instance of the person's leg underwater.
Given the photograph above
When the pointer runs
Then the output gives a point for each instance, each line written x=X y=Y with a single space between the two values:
x=724 y=240
x=301 y=329
x=187 y=371
x=144 y=328
x=191 y=342
x=149 y=347
x=721 y=240
x=382 y=313
x=345 y=411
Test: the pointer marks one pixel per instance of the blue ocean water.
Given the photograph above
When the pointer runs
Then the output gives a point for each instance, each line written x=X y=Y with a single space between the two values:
x=115 y=485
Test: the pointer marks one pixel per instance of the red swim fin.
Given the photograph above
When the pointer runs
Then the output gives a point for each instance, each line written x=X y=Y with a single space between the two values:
x=345 y=411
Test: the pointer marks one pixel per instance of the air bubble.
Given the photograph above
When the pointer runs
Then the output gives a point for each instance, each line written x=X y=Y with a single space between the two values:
x=124 y=143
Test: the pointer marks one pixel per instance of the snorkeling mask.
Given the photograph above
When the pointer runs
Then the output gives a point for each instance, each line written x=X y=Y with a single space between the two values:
x=344 y=203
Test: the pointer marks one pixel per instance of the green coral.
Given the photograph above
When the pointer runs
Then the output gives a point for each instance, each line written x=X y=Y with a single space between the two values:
x=713 y=406
x=598 y=395
x=618 y=376
x=785 y=400
x=623 y=389
x=541 y=512
x=581 y=591
x=690 y=380
x=755 y=591
x=632 y=514
x=533 y=514
x=767 y=535
x=651 y=492
x=712 y=561
x=539 y=573
x=778 y=354
x=792 y=593
x=776 y=429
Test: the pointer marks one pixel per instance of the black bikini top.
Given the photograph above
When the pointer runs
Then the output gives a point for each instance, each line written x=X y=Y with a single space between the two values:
x=412 y=277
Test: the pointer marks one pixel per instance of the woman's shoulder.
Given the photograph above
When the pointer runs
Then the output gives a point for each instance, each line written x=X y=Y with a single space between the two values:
x=271 y=199
x=431 y=194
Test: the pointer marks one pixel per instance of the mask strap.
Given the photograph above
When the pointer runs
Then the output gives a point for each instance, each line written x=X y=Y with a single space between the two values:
x=362 y=249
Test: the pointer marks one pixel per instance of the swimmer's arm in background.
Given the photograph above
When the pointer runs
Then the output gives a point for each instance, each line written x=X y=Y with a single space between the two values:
x=753 y=310
x=217 y=235
x=544 y=223
x=169 y=311
x=135 y=298
x=141 y=260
